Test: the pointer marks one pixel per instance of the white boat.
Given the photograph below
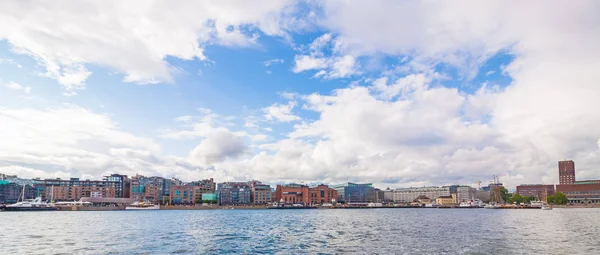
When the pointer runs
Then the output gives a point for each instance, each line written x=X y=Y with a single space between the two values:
x=30 y=205
x=546 y=207
x=492 y=206
x=538 y=204
x=142 y=206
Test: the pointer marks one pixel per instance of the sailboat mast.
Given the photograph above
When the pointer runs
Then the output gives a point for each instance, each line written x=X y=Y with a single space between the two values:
x=23 y=194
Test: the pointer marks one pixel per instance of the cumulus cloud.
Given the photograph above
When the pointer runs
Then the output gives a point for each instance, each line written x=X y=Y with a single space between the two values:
x=217 y=147
x=133 y=38
x=401 y=128
x=329 y=66
x=281 y=112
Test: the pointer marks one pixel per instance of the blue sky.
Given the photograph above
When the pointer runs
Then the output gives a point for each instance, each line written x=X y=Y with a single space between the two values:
x=295 y=91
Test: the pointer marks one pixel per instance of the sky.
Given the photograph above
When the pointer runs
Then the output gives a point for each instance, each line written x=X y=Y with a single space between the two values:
x=394 y=93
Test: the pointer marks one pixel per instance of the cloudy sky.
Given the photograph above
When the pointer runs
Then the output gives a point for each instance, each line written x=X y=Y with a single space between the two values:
x=397 y=93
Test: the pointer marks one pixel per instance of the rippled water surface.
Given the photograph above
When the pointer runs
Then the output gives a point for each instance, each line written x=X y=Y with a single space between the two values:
x=373 y=231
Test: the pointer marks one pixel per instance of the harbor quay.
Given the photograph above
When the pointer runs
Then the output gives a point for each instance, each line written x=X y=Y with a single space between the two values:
x=138 y=192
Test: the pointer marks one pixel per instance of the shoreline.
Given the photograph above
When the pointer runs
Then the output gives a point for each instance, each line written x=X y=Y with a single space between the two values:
x=188 y=208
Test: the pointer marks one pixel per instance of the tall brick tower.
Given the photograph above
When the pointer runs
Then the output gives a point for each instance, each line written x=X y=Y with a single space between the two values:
x=566 y=172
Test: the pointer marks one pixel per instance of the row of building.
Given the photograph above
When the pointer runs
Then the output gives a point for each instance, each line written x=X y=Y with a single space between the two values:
x=585 y=191
x=174 y=191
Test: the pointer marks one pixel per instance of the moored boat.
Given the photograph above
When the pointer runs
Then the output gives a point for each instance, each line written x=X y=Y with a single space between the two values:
x=30 y=205
x=142 y=206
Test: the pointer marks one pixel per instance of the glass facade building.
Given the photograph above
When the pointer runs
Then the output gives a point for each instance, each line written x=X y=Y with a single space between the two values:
x=356 y=193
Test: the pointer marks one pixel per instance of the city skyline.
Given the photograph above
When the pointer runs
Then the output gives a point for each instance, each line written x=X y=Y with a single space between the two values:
x=301 y=91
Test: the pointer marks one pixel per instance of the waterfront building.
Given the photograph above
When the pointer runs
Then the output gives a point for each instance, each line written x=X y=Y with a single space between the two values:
x=465 y=193
x=422 y=199
x=388 y=195
x=11 y=189
x=483 y=195
x=356 y=193
x=292 y=194
x=537 y=191
x=122 y=186
x=234 y=193
x=181 y=194
x=446 y=200
x=566 y=172
x=192 y=192
x=261 y=193
x=209 y=198
x=153 y=189
x=408 y=195
x=322 y=194
x=74 y=189
x=587 y=191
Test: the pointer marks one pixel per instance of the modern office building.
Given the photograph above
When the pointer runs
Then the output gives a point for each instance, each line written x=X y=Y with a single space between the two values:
x=261 y=193
x=234 y=193
x=122 y=186
x=356 y=193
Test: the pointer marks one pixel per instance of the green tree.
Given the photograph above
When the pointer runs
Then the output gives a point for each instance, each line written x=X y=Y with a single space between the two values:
x=558 y=198
x=527 y=200
x=516 y=198
x=198 y=201
x=504 y=194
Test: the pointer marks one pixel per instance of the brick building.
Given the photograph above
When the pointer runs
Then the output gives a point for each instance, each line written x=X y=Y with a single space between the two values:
x=75 y=189
x=576 y=191
x=122 y=184
x=537 y=191
x=153 y=189
x=322 y=194
x=261 y=193
x=191 y=193
x=292 y=194
x=566 y=172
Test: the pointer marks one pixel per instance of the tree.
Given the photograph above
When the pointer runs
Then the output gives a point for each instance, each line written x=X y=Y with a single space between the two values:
x=516 y=198
x=558 y=198
x=198 y=201
x=527 y=200
x=504 y=194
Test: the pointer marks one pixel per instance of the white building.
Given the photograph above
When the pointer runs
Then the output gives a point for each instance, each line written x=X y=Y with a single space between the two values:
x=410 y=194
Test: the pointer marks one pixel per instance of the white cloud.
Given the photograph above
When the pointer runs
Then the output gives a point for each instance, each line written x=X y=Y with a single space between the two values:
x=305 y=63
x=26 y=172
x=133 y=38
x=281 y=112
x=397 y=130
x=273 y=61
x=329 y=67
x=217 y=147
x=16 y=86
